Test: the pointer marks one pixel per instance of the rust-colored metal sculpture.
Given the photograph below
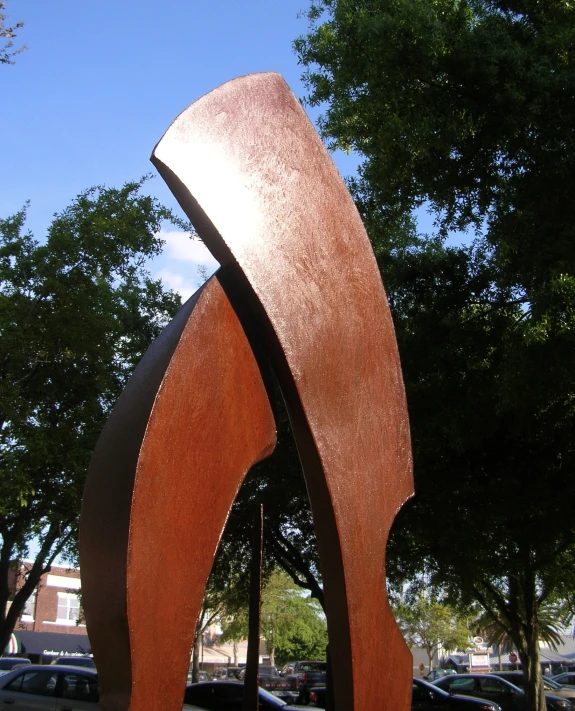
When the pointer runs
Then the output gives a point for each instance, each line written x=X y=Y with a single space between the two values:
x=191 y=422
x=251 y=173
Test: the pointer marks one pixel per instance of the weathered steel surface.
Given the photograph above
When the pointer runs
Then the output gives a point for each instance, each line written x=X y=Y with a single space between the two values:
x=251 y=173
x=192 y=420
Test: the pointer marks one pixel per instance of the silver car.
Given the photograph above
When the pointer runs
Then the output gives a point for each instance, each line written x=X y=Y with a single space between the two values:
x=9 y=663
x=52 y=688
x=47 y=688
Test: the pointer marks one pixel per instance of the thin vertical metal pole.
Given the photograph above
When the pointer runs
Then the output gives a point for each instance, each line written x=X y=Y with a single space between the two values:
x=253 y=656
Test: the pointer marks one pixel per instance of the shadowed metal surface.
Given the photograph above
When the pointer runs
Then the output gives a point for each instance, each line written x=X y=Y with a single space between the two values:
x=192 y=420
x=253 y=176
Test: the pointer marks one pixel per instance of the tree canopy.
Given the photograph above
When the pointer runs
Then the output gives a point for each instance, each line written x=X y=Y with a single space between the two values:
x=7 y=34
x=278 y=483
x=466 y=108
x=77 y=312
x=292 y=626
x=431 y=625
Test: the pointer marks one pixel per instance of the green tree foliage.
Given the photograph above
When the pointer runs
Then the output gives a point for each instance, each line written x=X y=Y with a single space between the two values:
x=289 y=537
x=467 y=107
x=292 y=626
x=552 y=620
x=492 y=439
x=225 y=597
x=431 y=625
x=77 y=312
x=7 y=34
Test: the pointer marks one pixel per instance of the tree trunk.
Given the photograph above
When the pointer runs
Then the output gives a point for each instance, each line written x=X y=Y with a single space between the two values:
x=532 y=663
x=42 y=564
x=523 y=605
x=430 y=657
x=235 y=654
x=534 y=679
x=272 y=657
x=5 y=591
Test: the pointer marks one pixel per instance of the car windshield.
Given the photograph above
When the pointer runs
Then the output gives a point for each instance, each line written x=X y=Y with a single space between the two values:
x=268 y=671
x=552 y=684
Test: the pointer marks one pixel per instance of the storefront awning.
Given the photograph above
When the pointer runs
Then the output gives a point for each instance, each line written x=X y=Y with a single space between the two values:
x=53 y=644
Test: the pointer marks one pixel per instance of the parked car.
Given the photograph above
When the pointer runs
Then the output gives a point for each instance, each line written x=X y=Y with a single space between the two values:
x=426 y=696
x=202 y=676
x=565 y=679
x=302 y=677
x=493 y=688
x=551 y=688
x=35 y=687
x=317 y=697
x=226 y=673
x=74 y=661
x=270 y=680
x=9 y=663
x=229 y=695
x=438 y=673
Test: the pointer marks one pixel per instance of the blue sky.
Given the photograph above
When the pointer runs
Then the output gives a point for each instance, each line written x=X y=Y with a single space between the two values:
x=100 y=82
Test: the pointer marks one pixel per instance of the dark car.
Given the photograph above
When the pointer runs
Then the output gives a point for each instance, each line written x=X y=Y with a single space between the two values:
x=76 y=661
x=317 y=697
x=202 y=676
x=47 y=687
x=269 y=679
x=566 y=679
x=438 y=673
x=550 y=687
x=227 y=673
x=493 y=688
x=428 y=696
x=263 y=670
x=425 y=697
x=229 y=695
x=9 y=663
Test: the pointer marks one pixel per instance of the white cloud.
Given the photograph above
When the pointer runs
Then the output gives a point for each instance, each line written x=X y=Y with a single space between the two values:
x=184 y=263
x=181 y=248
x=177 y=282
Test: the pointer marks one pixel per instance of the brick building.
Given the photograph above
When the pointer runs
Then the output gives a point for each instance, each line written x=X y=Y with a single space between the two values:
x=49 y=626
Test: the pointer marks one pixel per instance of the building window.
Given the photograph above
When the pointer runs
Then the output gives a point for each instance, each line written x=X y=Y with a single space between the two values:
x=29 y=608
x=68 y=608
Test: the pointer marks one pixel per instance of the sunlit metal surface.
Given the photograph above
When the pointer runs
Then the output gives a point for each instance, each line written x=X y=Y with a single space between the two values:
x=253 y=176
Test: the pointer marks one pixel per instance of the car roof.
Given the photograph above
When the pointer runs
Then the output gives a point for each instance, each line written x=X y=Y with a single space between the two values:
x=506 y=674
x=57 y=668
x=428 y=685
x=469 y=675
x=216 y=681
x=434 y=687
x=53 y=669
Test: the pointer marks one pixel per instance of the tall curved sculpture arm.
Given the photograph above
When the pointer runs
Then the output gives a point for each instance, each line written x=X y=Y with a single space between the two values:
x=192 y=420
x=253 y=176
